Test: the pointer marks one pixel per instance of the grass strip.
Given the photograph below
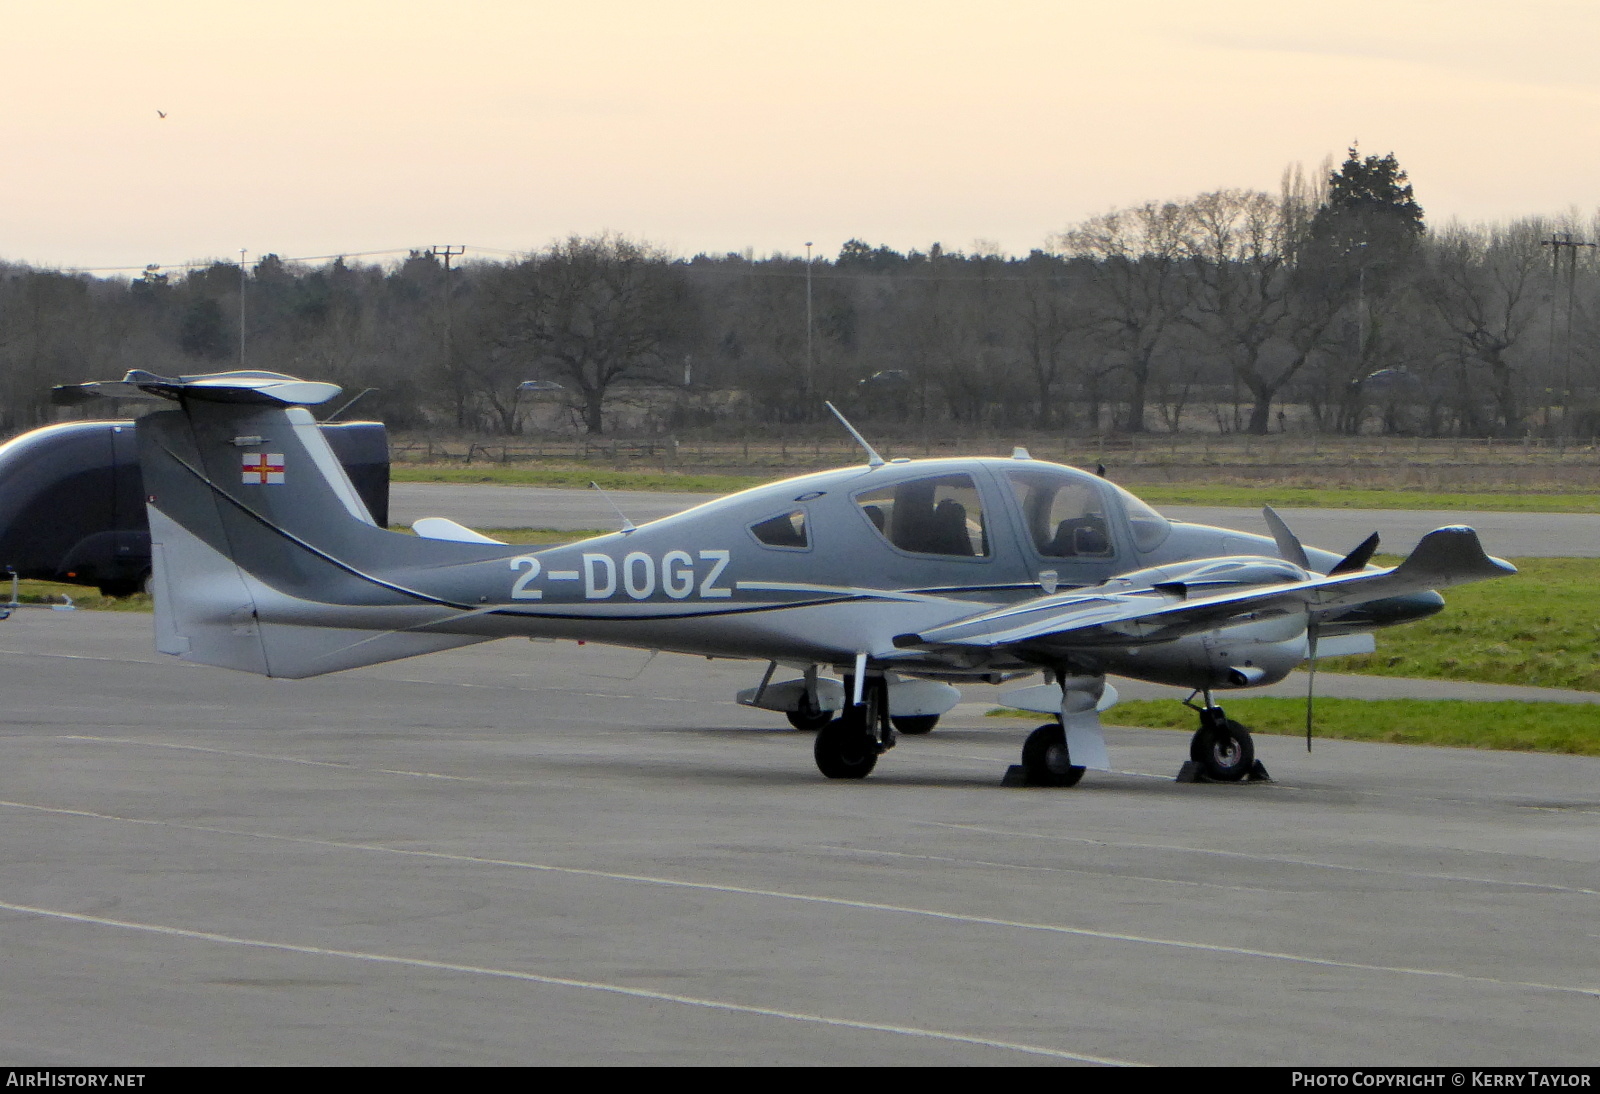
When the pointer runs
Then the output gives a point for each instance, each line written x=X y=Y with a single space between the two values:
x=1540 y=628
x=1288 y=497
x=1570 y=728
x=580 y=478
x=1250 y=497
x=86 y=597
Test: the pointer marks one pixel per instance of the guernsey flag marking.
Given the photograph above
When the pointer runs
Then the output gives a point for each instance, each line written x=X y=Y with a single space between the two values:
x=263 y=468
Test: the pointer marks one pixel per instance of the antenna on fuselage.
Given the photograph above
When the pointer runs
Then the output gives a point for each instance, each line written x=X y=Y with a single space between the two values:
x=873 y=459
x=627 y=525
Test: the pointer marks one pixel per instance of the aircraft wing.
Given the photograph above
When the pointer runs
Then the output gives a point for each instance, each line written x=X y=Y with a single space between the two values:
x=1162 y=612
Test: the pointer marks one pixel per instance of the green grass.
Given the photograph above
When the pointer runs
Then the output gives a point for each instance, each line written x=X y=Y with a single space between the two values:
x=83 y=596
x=1179 y=494
x=660 y=482
x=1289 y=497
x=1540 y=628
x=1572 y=728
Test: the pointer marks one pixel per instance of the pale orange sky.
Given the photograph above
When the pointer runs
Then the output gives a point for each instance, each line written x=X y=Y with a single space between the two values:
x=309 y=128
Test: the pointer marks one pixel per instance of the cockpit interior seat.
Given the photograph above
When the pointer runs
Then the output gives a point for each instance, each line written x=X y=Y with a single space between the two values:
x=948 y=531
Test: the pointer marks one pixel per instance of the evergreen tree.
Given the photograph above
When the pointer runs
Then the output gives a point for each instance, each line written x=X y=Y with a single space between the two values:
x=1370 y=208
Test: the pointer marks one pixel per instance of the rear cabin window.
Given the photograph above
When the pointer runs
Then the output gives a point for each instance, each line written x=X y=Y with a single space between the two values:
x=939 y=515
x=1065 y=514
x=788 y=530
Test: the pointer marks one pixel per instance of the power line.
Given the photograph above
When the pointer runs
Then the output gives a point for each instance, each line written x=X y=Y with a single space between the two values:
x=213 y=261
x=1556 y=243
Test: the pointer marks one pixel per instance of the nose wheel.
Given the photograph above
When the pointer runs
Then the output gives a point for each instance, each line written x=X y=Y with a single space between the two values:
x=848 y=747
x=1221 y=748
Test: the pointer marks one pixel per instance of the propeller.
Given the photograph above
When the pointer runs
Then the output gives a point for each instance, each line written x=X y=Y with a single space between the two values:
x=1290 y=549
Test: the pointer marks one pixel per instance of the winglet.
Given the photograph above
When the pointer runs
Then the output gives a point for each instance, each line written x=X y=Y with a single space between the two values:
x=1451 y=556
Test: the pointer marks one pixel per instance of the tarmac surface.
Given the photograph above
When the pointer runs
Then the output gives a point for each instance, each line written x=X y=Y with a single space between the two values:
x=552 y=854
x=1510 y=535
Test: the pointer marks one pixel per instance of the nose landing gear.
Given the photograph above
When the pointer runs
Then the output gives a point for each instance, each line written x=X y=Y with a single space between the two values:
x=1221 y=749
x=848 y=747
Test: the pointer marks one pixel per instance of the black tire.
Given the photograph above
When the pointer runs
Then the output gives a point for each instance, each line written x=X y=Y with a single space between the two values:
x=807 y=720
x=914 y=725
x=1226 y=753
x=1045 y=759
x=844 y=751
x=122 y=587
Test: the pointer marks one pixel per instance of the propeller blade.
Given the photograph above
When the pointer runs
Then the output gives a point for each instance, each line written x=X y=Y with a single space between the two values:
x=1356 y=560
x=1311 y=674
x=1289 y=548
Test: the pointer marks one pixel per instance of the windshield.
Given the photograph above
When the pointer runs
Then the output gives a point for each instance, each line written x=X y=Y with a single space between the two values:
x=1150 y=528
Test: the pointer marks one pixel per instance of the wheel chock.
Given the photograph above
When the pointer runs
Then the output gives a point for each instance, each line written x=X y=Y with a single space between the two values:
x=1191 y=772
x=1016 y=775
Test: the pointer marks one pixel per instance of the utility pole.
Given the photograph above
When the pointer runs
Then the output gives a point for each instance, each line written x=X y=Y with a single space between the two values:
x=241 y=307
x=1556 y=242
x=447 y=252
x=810 y=367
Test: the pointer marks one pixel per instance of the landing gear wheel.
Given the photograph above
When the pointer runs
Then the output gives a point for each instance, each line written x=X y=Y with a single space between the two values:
x=1045 y=759
x=1224 y=752
x=915 y=725
x=807 y=719
x=845 y=751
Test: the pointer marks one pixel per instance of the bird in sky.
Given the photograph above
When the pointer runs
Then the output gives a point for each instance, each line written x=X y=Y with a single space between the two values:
x=163 y=113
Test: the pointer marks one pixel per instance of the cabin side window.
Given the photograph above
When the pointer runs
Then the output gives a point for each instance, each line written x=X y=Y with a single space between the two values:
x=938 y=515
x=1065 y=515
x=786 y=530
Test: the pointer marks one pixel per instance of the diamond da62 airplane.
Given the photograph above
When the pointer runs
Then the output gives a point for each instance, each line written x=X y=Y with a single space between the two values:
x=901 y=577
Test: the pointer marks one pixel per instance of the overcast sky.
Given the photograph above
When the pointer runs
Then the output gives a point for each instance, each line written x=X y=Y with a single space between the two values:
x=310 y=128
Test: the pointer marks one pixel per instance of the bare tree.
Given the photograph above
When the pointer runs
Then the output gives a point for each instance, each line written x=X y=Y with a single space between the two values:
x=1483 y=286
x=1261 y=312
x=588 y=313
x=1140 y=289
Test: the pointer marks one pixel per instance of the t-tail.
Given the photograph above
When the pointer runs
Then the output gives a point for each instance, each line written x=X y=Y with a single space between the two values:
x=263 y=556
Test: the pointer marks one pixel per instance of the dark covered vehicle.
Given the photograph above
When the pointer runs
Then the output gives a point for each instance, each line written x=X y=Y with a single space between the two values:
x=72 y=505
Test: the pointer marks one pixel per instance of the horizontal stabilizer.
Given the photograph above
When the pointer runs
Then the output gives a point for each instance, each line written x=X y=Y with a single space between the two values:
x=244 y=387
x=447 y=529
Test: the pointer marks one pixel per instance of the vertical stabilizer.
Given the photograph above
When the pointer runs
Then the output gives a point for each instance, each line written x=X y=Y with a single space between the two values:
x=264 y=557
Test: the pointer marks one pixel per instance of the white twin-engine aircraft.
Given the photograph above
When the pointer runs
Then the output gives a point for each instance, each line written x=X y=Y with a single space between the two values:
x=900 y=577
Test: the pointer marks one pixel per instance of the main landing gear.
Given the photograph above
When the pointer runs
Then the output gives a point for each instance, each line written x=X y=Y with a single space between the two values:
x=1221 y=749
x=1046 y=760
x=848 y=747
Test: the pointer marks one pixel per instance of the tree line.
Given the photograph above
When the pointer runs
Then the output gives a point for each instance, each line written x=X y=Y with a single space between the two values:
x=1328 y=306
